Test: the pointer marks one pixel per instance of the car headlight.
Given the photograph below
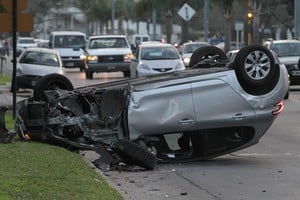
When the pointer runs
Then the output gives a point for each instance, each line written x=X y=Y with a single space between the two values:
x=180 y=66
x=92 y=58
x=144 y=67
x=82 y=57
x=128 y=57
x=186 y=60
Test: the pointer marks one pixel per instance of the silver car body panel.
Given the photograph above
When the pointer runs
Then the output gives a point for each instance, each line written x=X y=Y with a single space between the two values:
x=175 y=108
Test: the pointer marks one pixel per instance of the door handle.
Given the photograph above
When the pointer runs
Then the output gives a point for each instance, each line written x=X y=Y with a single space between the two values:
x=186 y=121
x=238 y=116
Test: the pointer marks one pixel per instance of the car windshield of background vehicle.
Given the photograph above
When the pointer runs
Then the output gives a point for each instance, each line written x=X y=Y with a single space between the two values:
x=102 y=43
x=286 y=49
x=69 y=41
x=190 y=48
x=154 y=53
x=26 y=41
x=37 y=58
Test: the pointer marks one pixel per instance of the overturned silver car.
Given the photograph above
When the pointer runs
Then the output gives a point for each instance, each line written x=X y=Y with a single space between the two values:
x=213 y=108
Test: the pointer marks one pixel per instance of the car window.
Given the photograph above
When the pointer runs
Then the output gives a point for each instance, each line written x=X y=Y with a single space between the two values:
x=286 y=49
x=99 y=43
x=69 y=41
x=190 y=48
x=38 y=58
x=26 y=41
x=159 y=53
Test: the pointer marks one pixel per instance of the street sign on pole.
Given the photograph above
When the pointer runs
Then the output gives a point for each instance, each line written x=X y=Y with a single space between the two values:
x=186 y=12
x=25 y=20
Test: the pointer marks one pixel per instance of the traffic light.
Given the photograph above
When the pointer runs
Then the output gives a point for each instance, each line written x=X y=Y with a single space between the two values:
x=249 y=16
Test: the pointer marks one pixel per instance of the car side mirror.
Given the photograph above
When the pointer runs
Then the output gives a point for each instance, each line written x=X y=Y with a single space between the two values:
x=134 y=59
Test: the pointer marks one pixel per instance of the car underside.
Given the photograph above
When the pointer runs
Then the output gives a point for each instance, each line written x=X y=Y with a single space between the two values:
x=206 y=111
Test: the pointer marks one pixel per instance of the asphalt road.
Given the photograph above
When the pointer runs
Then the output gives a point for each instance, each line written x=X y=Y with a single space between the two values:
x=269 y=170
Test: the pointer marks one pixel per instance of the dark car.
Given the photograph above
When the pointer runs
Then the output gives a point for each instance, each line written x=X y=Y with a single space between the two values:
x=213 y=108
x=288 y=52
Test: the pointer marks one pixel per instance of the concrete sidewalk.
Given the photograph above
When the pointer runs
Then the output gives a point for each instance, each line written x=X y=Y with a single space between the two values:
x=6 y=97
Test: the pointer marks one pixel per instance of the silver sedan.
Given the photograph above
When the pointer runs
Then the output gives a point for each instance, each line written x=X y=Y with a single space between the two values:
x=213 y=108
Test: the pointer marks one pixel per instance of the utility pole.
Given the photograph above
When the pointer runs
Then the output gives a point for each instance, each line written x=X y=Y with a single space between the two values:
x=206 y=20
x=296 y=19
x=113 y=2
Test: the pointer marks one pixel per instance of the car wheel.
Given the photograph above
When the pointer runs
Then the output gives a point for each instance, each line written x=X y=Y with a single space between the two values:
x=51 y=82
x=287 y=95
x=88 y=74
x=134 y=154
x=126 y=73
x=81 y=69
x=256 y=69
x=206 y=53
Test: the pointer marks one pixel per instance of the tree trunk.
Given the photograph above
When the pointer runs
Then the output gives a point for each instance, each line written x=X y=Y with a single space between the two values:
x=256 y=22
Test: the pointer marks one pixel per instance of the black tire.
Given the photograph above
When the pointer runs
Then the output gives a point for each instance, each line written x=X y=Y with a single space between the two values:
x=126 y=74
x=287 y=95
x=51 y=82
x=88 y=74
x=204 y=53
x=134 y=154
x=256 y=69
x=81 y=69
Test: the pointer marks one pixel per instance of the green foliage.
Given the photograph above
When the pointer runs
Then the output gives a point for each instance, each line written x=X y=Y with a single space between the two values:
x=31 y=170
x=9 y=121
x=4 y=79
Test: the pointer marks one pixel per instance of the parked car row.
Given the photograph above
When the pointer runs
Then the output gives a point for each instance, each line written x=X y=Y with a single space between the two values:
x=109 y=53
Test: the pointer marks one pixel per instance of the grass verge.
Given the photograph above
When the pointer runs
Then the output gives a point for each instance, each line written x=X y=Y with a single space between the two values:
x=31 y=170
x=4 y=79
x=9 y=121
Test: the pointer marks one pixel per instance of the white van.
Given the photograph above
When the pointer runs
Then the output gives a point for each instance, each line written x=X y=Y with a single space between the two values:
x=137 y=39
x=70 y=45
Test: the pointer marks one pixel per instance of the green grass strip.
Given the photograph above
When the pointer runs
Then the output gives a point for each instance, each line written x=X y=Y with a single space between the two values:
x=30 y=170
x=4 y=79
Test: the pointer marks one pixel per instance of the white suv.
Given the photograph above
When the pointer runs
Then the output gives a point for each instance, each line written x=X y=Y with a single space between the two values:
x=108 y=53
x=288 y=52
x=25 y=42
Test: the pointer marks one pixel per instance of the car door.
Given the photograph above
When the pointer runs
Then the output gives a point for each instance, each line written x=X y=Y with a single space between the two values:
x=218 y=105
x=161 y=110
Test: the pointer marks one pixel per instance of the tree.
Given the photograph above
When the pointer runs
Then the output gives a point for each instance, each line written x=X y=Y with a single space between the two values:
x=227 y=5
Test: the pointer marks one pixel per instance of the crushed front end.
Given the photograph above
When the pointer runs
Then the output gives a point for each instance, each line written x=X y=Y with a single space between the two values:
x=78 y=119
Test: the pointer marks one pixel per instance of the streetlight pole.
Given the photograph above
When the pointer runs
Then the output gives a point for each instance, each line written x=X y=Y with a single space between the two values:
x=296 y=19
x=206 y=20
x=113 y=3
